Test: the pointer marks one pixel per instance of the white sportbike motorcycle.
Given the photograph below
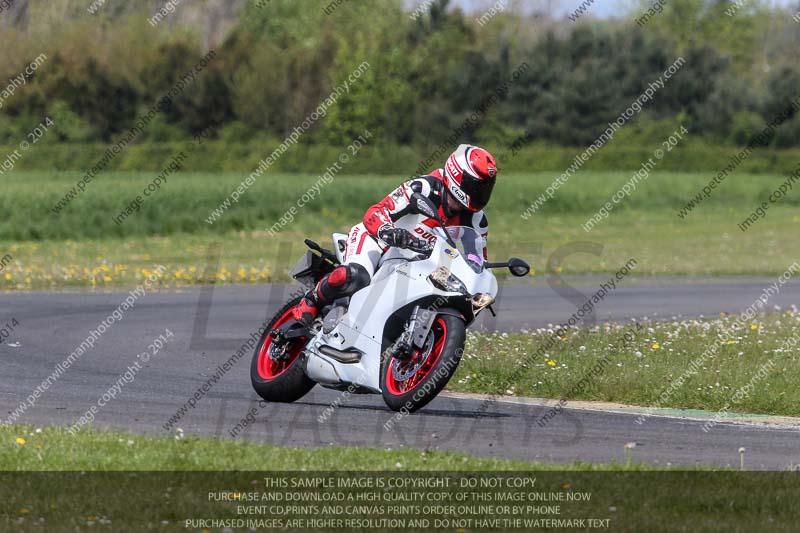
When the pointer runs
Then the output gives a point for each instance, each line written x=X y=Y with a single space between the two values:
x=402 y=336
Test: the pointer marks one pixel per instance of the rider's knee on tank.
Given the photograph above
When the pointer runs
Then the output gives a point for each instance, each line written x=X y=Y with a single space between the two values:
x=359 y=277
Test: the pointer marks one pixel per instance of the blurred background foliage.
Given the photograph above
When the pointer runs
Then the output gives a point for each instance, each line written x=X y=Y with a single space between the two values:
x=276 y=60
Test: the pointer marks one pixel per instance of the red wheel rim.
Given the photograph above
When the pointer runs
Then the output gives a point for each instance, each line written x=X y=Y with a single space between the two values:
x=398 y=388
x=267 y=367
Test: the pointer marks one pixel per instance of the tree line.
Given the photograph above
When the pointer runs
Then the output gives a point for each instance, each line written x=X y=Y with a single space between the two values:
x=432 y=74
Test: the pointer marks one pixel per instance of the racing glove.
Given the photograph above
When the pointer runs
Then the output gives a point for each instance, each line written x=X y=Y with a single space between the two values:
x=397 y=237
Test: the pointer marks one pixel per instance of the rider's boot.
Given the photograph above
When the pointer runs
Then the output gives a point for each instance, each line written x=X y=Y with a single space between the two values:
x=306 y=310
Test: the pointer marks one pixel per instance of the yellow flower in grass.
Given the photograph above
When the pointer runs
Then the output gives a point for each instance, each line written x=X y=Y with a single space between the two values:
x=21 y=441
x=24 y=511
x=656 y=346
x=8 y=275
x=753 y=327
x=551 y=362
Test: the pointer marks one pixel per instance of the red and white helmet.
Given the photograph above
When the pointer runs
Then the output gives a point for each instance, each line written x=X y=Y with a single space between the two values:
x=470 y=174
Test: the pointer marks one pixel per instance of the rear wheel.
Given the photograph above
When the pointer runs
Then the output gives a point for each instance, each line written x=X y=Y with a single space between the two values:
x=411 y=384
x=277 y=375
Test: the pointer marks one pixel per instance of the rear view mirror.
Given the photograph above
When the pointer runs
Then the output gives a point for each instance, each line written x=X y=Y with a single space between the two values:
x=518 y=267
x=420 y=205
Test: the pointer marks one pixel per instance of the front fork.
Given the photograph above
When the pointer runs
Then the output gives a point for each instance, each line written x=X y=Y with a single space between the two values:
x=414 y=333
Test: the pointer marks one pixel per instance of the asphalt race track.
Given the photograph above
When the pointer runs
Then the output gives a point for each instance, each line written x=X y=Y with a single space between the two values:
x=210 y=326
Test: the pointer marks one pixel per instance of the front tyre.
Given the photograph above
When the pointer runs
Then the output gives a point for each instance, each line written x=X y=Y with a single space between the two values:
x=411 y=384
x=282 y=379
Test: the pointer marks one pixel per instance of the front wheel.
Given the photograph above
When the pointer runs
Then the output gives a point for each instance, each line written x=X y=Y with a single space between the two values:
x=277 y=375
x=411 y=384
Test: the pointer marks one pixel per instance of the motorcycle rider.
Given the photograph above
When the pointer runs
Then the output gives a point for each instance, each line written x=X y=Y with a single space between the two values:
x=460 y=191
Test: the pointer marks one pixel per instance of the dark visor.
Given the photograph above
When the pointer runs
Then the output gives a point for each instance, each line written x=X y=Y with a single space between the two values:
x=478 y=191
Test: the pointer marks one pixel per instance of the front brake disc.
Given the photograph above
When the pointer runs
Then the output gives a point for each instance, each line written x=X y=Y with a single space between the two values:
x=404 y=370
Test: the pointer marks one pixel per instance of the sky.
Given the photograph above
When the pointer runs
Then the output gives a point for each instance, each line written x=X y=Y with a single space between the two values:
x=599 y=8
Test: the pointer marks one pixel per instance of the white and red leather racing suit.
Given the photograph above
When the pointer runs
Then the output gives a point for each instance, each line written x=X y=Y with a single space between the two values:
x=364 y=246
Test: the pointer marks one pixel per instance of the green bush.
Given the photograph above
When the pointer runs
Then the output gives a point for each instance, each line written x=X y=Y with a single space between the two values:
x=244 y=157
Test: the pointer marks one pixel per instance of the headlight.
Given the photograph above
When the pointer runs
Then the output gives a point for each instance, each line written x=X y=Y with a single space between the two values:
x=481 y=301
x=441 y=278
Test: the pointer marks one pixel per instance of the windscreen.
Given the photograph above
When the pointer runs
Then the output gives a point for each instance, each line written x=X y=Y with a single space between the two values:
x=470 y=244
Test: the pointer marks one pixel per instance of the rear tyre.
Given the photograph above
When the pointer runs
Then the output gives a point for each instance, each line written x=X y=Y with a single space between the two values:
x=282 y=380
x=410 y=385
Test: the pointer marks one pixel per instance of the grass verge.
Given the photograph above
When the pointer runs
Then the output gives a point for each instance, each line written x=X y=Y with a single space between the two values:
x=661 y=364
x=228 y=481
x=83 y=246
x=255 y=257
x=25 y=448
